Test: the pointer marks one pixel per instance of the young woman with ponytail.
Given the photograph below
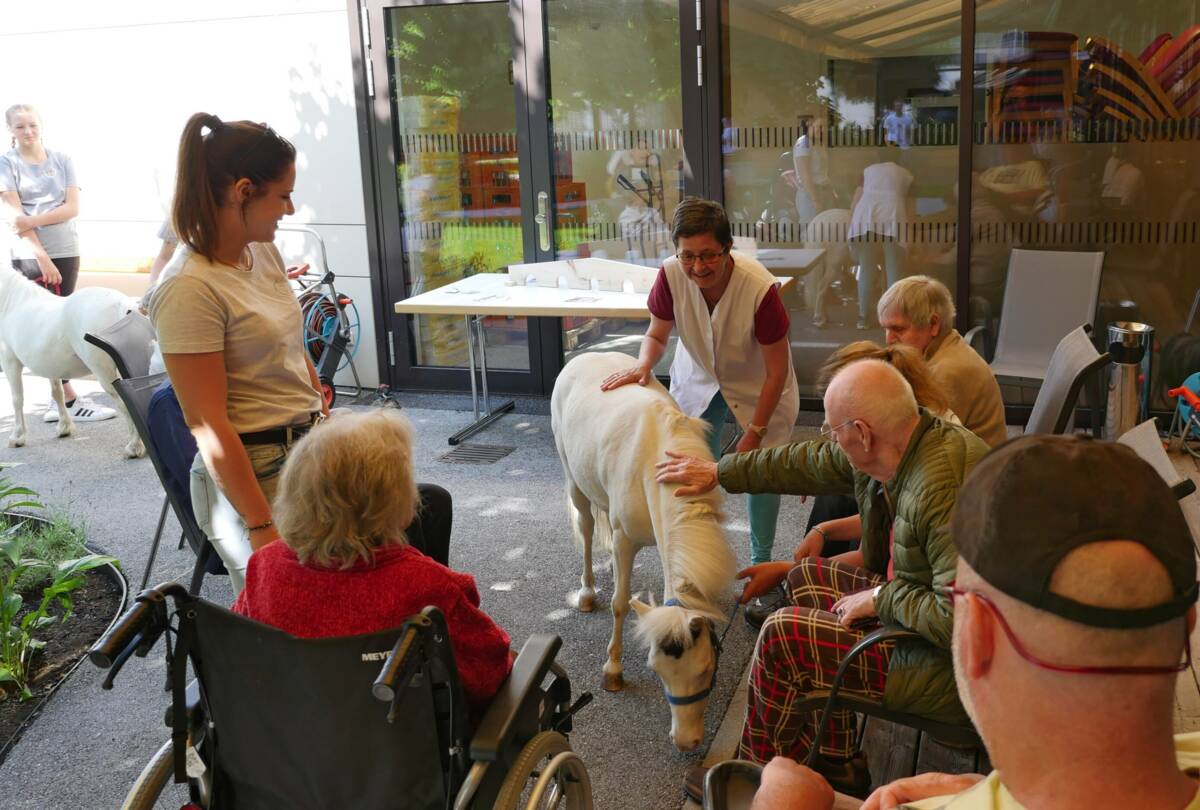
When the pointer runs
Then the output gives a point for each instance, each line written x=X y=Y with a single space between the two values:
x=229 y=328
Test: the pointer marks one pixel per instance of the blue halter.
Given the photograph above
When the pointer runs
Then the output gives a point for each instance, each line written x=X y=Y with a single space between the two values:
x=687 y=700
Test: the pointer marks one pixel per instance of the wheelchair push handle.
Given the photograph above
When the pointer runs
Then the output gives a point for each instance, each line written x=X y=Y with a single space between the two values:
x=401 y=661
x=136 y=631
x=105 y=652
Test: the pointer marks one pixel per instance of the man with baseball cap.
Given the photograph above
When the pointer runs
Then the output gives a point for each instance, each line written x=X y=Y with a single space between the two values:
x=1074 y=601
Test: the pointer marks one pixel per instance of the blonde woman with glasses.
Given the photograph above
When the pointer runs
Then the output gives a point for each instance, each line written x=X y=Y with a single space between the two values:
x=733 y=353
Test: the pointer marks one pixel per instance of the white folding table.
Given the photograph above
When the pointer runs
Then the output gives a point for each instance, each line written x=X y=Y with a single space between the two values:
x=486 y=294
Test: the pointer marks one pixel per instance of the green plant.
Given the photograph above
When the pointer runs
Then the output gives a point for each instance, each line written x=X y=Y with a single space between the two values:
x=18 y=642
x=52 y=542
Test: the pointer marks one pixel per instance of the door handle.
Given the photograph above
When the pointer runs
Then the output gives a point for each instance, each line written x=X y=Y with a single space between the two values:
x=543 y=221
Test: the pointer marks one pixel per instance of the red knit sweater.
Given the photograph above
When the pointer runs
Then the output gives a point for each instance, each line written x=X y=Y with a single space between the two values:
x=309 y=601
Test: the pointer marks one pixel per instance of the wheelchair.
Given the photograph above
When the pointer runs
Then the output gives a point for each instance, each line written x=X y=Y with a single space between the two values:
x=371 y=721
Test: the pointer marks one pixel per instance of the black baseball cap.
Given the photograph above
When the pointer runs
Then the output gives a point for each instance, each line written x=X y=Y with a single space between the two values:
x=1035 y=499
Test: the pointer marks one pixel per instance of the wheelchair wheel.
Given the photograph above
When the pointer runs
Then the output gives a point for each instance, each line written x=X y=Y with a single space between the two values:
x=155 y=790
x=546 y=774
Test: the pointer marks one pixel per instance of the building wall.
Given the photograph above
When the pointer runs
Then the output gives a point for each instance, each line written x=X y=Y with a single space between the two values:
x=116 y=81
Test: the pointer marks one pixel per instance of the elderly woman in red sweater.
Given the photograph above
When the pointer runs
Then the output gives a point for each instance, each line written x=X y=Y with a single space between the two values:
x=344 y=566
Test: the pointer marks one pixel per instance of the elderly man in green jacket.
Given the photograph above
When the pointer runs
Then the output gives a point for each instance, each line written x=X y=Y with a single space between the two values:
x=904 y=467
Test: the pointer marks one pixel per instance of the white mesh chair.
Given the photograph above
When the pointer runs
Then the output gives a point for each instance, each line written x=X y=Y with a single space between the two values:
x=1073 y=362
x=1146 y=442
x=1047 y=294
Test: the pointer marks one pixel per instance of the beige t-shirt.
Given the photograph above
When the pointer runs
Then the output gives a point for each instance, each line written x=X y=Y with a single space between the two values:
x=253 y=317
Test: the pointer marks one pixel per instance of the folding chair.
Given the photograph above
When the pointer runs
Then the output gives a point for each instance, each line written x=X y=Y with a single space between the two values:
x=136 y=394
x=1146 y=442
x=1047 y=294
x=128 y=342
x=1074 y=361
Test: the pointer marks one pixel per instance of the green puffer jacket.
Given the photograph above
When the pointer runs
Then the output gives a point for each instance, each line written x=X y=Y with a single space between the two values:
x=917 y=503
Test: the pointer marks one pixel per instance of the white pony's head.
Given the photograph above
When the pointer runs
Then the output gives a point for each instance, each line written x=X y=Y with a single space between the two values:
x=683 y=652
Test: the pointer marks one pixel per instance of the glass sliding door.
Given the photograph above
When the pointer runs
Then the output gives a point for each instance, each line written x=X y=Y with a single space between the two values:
x=616 y=116
x=839 y=134
x=447 y=155
x=1085 y=139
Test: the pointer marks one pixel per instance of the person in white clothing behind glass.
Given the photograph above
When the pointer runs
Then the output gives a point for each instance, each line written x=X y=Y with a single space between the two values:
x=733 y=351
x=882 y=206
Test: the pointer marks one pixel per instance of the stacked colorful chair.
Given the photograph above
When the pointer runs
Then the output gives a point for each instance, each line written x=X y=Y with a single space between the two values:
x=1033 y=81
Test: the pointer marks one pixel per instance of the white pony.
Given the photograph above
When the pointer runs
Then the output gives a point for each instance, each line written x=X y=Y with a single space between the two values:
x=609 y=442
x=44 y=333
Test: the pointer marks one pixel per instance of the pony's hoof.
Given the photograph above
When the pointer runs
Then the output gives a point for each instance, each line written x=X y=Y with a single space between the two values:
x=614 y=682
x=587 y=601
x=14 y=441
x=65 y=429
x=135 y=450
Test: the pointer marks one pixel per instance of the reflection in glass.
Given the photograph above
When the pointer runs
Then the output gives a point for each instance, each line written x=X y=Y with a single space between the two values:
x=456 y=166
x=1085 y=139
x=617 y=143
x=840 y=155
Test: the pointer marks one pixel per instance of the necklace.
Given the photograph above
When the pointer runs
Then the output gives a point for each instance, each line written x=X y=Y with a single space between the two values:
x=245 y=261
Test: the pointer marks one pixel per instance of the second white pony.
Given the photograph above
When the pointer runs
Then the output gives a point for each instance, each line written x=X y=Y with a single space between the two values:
x=609 y=442
x=44 y=333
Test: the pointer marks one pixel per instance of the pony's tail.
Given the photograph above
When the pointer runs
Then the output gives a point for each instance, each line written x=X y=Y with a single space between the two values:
x=599 y=524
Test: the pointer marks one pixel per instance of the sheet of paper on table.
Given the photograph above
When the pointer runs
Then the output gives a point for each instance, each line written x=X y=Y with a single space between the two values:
x=585 y=274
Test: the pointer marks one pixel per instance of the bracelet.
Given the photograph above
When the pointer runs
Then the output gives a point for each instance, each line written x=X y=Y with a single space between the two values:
x=820 y=531
x=261 y=526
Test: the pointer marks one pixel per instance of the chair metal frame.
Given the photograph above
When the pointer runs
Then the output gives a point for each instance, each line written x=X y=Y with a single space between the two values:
x=135 y=393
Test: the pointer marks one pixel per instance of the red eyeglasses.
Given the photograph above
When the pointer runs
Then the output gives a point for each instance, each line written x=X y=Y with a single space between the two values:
x=954 y=591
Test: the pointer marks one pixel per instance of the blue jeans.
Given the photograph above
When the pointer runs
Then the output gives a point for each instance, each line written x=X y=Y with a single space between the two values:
x=763 y=507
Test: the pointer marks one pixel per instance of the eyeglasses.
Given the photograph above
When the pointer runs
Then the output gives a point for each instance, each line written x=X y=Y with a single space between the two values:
x=708 y=257
x=953 y=590
x=828 y=433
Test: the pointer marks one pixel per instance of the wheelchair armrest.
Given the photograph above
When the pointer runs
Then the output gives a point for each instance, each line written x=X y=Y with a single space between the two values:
x=730 y=785
x=528 y=672
x=192 y=700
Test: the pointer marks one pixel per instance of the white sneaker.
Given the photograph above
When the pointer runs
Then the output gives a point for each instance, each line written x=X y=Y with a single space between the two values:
x=81 y=412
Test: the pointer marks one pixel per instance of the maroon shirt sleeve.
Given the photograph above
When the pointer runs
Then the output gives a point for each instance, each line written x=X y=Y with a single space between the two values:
x=771 y=321
x=660 y=302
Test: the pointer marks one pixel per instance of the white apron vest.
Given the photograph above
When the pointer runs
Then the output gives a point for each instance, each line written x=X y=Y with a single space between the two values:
x=719 y=352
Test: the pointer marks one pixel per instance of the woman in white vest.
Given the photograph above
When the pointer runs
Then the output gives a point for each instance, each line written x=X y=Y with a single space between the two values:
x=733 y=352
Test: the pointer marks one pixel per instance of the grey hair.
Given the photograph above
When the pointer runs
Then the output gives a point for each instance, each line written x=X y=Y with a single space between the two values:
x=347 y=488
x=918 y=298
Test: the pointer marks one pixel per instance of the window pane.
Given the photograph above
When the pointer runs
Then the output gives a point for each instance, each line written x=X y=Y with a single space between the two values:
x=456 y=167
x=1085 y=139
x=618 y=147
x=841 y=138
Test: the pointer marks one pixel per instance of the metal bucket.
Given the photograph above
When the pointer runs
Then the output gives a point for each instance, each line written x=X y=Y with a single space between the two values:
x=1131 y=346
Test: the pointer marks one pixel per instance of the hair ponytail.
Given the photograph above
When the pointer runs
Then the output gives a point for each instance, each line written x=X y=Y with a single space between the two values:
x=210 y=163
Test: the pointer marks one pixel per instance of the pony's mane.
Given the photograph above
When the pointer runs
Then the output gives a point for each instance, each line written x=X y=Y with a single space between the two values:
x=698 y=555
x=664 y=625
